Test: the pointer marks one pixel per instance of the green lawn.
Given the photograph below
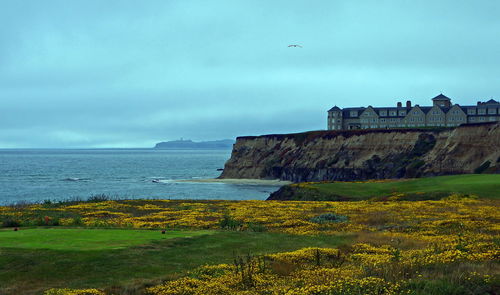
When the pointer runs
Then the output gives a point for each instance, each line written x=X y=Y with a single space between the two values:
x=85 y=239
x=32 y=260
x=482 y=185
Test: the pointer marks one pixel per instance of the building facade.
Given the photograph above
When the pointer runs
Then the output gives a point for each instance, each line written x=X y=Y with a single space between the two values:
x=442 y=113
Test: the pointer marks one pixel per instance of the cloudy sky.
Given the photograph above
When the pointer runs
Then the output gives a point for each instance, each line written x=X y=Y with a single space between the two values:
x=94 y=73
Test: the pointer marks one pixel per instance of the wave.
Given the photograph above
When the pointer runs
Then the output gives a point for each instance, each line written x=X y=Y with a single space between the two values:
x=75 y=179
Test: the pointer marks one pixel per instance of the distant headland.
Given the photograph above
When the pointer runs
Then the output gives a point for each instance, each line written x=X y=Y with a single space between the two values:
x=189 y=144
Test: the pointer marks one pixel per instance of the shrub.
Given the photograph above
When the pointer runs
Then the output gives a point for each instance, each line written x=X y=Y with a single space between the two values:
x=256 y=227
x=77 y=221
x=99 y=198
x=328 y=218
x=228 y=222
x=9 y=222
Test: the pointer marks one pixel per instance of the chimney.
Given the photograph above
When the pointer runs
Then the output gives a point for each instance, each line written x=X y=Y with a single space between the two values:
x=479 y=103
x=408 y=104
x=399 y=104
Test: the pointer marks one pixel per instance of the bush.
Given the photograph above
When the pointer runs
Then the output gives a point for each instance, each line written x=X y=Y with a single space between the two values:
x=329 y=218
x=256 y=227
x=77 y=221
x=99 y=198
x=228 y=222
x=9 y=222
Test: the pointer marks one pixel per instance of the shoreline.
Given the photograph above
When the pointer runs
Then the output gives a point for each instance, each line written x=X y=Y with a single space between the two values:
x=248 y=181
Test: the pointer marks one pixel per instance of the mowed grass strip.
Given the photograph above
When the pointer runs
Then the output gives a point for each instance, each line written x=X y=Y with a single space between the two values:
x=482 y=185
x=84 y=239
x=33 y=267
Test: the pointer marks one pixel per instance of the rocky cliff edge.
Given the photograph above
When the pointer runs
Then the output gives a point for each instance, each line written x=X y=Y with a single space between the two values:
x=366 y=154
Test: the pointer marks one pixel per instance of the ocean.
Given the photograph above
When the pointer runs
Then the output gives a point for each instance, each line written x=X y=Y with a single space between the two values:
x=35 y=175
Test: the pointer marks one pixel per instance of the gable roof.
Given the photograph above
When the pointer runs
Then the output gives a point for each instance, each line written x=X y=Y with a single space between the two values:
x=335 y=108
x=441 y=97
x=347 y=112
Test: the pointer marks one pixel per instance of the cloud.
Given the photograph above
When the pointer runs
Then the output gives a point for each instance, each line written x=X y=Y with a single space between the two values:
x=123 y=73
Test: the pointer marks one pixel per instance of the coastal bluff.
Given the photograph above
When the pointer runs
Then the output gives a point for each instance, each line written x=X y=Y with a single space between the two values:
x=367 y=154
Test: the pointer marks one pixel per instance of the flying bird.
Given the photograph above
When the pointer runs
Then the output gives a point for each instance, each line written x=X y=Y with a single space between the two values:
x=294 y=45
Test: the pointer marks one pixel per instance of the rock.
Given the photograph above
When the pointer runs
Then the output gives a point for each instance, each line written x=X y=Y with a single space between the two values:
x=366 y=154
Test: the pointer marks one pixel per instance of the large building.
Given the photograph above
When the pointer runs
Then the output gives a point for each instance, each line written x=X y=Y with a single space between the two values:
x=441 y=113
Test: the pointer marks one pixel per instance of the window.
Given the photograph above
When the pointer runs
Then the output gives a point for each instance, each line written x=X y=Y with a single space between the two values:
x=471 y=111
x=383 y=113
x=402 y=113
x=492 y=119
x=481 y=111
x=415 y=112
x=393 y=113
x=354 y=113
x=472 y=119
x=492 y=111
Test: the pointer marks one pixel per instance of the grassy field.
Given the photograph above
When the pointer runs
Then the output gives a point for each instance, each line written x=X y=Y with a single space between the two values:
x=84 y=239
x=123 y=260
x=396 y=242
x=482 y=185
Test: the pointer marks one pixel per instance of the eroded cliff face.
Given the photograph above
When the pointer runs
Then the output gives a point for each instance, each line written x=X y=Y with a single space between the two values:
x=366 y=154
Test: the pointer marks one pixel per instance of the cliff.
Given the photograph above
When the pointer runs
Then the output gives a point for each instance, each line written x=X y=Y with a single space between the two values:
x=366 y=154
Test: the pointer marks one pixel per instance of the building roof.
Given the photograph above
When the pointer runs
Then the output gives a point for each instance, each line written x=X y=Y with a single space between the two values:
x=491 y=101
x=335 y=108
x=425 y=109
x=346 y=112
x=441 y=97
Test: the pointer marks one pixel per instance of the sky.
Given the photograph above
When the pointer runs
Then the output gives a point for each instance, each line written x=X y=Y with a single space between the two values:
x=93 y=73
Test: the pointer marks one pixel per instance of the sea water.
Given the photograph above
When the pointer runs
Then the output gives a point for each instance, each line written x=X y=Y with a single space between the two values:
x=35 y=175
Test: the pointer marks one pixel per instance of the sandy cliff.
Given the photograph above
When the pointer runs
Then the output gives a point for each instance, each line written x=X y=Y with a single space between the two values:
x=366 y=154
